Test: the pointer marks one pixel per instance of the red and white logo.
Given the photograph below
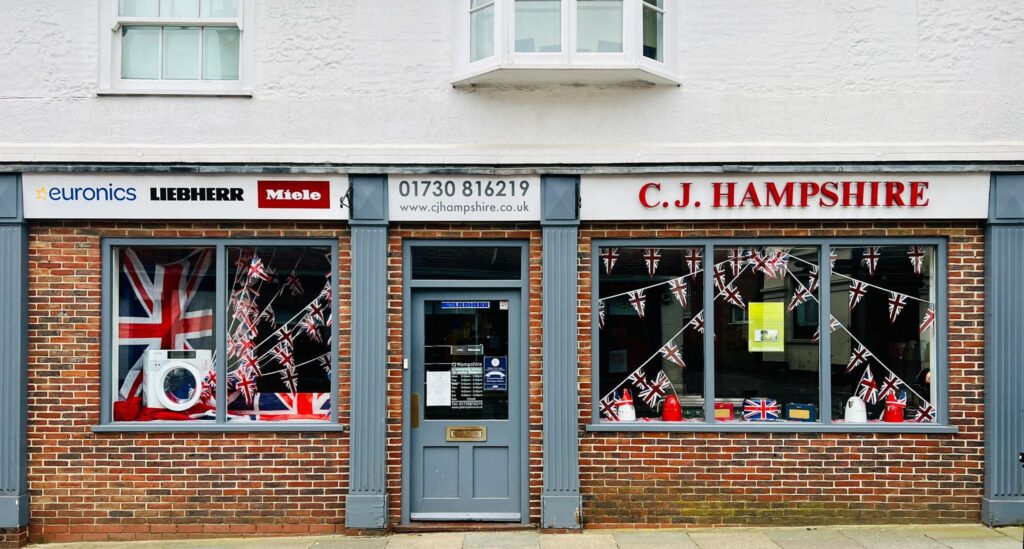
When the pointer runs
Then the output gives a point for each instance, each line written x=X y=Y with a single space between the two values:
x=294 y=194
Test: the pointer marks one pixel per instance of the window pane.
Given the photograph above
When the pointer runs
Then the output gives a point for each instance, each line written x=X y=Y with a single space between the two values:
x=140 y=52
x=163 y=318
x=179 y=8
x=280 y=324
x=181 y=53
x=458 y=345
x=538 y=25
x=481 y=33
x=653 y=34
x=599 y=26
x=884 y=303
x=137 y=8
x=766 y=352
x=220 y=8
x=220 y=53
x=467 y=262
x=651 y=322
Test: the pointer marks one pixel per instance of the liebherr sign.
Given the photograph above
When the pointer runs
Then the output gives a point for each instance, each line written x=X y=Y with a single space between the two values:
x=785 y=196
x=152 y=196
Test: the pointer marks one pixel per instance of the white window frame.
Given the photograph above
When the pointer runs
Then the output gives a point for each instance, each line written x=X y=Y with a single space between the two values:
x=111 y=83
x=565 y=65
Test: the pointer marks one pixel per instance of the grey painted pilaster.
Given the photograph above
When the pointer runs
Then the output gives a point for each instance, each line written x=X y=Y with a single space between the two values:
x=367 y=502
x=13 y=355
x=560 y=499
x=1003 y=502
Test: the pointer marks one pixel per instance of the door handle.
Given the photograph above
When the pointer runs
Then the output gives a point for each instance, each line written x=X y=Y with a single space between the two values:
x=414 y=412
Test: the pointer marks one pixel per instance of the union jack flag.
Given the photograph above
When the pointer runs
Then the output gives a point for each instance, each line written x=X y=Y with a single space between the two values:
x=163 y=303
x=761 y=409
x=294 y=283
x=282 y=406
x=833 y=325
x=891 y=386
x=692 y=258
x=311 y=328
x=600 y=314
x=678 y=288
x=670 y=351
x=925 y=414
x=858 y=290
x=698 y=322
x=718 y=273
x=766 y=262
x=652 y=256
x=259 y=271
x=870 y=257
x=609 y=407
x=812 y=280
x=928 y=321
x=638 y=301
x=897 y=302
x=245 y=384
x=653 y=391
x=916 y=255
x=737 y=257
x=832 y=257
x=609 y=256
x=860 y=356
x=732 y=295
x=868 y=390
x=799 y=296
x=290 y=379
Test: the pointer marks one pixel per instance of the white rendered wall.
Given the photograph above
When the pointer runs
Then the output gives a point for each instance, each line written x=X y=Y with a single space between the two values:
x=365 y=81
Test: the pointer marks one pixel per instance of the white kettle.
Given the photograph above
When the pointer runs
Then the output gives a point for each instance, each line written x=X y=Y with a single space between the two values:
x=856 y=412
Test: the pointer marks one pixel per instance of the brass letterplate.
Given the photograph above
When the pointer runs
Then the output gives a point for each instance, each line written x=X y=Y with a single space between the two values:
x=465 y=433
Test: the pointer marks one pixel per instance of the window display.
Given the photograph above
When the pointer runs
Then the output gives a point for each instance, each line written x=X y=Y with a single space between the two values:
x=768 y=363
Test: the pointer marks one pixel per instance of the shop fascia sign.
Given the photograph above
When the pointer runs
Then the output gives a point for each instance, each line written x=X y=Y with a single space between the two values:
x=173 y=196
x=471 y=198
x=785 y=196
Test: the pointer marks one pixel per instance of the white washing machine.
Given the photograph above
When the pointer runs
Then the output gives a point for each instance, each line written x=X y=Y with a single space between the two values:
x=173 y=380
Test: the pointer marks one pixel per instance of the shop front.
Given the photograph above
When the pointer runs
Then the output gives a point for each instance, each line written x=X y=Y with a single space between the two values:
x=295 y=353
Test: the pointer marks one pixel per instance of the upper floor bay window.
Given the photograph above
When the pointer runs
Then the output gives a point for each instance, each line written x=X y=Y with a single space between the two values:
x=176 y=46
x=548 y=41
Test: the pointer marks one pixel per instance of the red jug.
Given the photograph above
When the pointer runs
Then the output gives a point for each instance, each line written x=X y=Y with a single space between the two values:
x=894 y=407
x=671 y=411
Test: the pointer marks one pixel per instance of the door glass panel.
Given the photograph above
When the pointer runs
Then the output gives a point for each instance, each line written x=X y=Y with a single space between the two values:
x=466 y=359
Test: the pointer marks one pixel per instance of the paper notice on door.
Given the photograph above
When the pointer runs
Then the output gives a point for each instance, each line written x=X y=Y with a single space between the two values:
x=439 y=388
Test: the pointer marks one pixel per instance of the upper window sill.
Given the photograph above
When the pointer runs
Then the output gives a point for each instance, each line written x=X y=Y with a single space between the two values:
x=242 y=427
x=540 y=75
x=158 y=92
x=770 y=427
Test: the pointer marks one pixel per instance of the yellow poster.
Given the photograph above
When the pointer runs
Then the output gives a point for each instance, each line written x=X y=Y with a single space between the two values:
x=766 y=332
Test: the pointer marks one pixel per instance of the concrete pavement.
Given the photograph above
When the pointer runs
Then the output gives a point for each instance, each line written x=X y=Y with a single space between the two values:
x=944 y=536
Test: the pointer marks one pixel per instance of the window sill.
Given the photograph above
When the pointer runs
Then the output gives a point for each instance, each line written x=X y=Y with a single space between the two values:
x=246 y=427
x=539 y=75
x=769 y=427
x=157 y=92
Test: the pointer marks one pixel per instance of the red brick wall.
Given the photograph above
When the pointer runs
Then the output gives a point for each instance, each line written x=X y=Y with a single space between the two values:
x=93 y=486
x=676 y=479
x=396 y=236
x=13 y=537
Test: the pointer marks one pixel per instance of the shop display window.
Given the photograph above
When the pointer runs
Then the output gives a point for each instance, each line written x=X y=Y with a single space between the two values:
x=769 y=363
x=268 y=334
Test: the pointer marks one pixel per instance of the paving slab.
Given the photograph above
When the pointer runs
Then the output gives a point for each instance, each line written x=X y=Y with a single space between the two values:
x=577 y=541
x=831 y=538
x=943 y=532
x=654 y=540
x=426 y=541
x=891 y=537
x=1015 y=532
x=733 y=540
x=341 y=542
x=488 y=540
x=987 y=542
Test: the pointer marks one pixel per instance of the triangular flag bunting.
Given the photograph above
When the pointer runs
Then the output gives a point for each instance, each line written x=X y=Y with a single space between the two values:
x=860 y=356
x=670 y=351
x=732 y=295
x=870 y=258
x=718 y=273
x=600 y=314
x=638 y=301
x=678 y=288
x=609 y=256
x=916 y=255
x=891 y=385
x=897 y=302
x=868 y=389
x=737 y=256
x=799 y=296
x=858 y=290
x=692 y=257
x=652 y=256
x=812 y=280
x=928 y=321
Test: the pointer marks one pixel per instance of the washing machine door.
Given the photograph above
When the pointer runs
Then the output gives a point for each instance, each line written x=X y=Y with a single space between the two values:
x=180 y=386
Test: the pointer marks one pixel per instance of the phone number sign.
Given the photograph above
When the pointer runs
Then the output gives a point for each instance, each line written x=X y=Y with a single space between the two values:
x=464 y=198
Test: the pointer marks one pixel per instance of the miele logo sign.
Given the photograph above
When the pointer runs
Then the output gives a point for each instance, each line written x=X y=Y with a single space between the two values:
x=294 y=194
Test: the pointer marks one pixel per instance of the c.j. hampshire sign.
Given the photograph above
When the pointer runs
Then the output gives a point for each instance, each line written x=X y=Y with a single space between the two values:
x=785 y=196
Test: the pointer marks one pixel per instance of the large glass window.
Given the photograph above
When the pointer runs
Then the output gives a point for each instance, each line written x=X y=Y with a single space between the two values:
x=538 y=26
x=599 y=26
x=274 y=356
x=481 y=29
x=176 y=44
x=766 y=316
